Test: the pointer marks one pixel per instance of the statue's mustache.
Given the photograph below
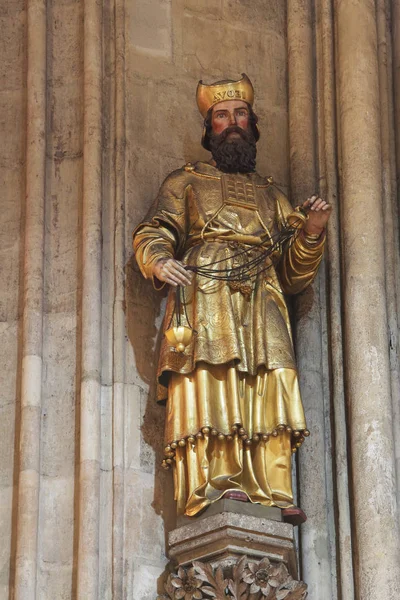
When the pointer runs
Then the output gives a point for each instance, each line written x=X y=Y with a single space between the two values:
x=221 y=137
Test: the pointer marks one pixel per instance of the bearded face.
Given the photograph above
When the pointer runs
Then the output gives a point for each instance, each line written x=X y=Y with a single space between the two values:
x=231 y=136
x=234 y=153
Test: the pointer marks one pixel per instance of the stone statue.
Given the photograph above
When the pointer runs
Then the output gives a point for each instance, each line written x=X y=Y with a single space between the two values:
x=234 y=411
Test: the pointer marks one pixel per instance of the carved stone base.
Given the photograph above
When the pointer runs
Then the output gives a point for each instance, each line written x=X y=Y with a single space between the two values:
x=234 y=550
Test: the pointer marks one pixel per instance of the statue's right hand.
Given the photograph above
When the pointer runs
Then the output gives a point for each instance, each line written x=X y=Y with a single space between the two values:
x=172 y=271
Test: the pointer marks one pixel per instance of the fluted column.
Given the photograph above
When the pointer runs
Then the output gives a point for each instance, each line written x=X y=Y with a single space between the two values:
x=32 y=342
x=395 y=39
x=395 y=22
x=89 y=481
x=315 y=552
x=328 y=179
x=366 y=339
x=390 y=213
x=118 y=308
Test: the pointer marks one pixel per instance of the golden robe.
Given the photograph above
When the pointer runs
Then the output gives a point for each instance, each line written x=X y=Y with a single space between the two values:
x=234 y=411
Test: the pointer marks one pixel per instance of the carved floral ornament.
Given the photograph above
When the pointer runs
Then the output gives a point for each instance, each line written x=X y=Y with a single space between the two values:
x=247 y=580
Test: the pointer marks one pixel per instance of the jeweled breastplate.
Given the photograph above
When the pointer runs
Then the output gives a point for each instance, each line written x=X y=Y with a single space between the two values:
x=238 y=192
x=239 y=211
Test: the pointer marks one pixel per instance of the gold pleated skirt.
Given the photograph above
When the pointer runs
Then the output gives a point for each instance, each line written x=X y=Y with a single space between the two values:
x=227 y=430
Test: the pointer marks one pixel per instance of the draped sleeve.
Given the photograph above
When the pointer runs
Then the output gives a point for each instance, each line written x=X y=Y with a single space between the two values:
x=301 y=257
x=163 y=231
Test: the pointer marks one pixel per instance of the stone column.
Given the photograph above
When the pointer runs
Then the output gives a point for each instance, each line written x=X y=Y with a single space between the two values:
x=394 y=77
x=366 y=340
x=119 y=341
x=315 y=552
x=32 y=342
x=328 y=178
x=390 y=213
x=395 y=175
x=395 y=22
x=111 y=505
x=89 y=480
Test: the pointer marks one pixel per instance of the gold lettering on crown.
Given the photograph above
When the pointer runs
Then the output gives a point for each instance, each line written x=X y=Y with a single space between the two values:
x=220 y=96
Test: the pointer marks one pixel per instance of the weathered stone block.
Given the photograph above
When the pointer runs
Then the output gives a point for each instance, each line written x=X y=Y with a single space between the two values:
x=151 y=28
x=12 y=24
x=6 y=498
x=54 y=581
x=144 y=585
x=66 y=55
x=256 y=15
x=225 y=536
x=8 y=375
x=57 y=518
x=12 y=127
x=59 y=396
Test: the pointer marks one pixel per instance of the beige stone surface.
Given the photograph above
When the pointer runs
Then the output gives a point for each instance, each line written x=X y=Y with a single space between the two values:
x=334 y=405
x=314 y=481
x=367 y=343
x=224 y=537
x=272 y=513
x=96 y=108
x=12 y=181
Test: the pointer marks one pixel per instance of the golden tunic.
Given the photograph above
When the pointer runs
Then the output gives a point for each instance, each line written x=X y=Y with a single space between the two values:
x=234 y=410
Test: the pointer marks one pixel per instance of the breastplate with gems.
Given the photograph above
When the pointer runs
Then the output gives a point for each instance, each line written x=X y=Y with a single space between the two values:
x=239 y=213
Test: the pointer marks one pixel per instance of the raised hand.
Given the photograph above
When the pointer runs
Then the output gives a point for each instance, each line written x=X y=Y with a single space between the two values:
x=318 y=211
x=172 y=271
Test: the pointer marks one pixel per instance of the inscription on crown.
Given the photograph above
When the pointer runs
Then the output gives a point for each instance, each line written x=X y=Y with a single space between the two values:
x=229 y=95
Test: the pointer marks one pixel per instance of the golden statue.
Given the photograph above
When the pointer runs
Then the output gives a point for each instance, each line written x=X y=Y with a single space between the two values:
x=218 y=230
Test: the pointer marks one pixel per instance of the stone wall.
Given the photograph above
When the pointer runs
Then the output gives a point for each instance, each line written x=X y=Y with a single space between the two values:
x=81 y=435
x=12 y=168
x=97 y=107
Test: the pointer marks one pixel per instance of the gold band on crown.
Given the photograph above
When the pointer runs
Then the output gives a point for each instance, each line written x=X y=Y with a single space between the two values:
x=209 y=95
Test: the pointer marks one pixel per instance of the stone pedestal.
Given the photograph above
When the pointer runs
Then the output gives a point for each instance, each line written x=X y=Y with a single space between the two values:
x=232 y=549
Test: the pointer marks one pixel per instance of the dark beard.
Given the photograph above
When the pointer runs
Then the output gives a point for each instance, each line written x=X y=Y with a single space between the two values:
x=235 y=155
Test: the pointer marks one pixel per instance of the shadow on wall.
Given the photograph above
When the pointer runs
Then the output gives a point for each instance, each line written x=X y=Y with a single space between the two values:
x=144 y=309
x=143 y=312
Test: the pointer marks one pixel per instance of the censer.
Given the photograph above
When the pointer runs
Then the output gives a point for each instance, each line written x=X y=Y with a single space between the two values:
x=180 y=336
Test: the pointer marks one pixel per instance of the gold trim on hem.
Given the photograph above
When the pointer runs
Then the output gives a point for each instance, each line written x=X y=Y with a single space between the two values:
x=220 y=397
x=226 y=430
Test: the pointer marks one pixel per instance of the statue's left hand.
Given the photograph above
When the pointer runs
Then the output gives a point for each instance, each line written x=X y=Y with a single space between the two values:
x=319 y=212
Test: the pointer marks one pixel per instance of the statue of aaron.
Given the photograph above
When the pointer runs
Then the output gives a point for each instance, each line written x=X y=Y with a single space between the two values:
x=234 y=412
